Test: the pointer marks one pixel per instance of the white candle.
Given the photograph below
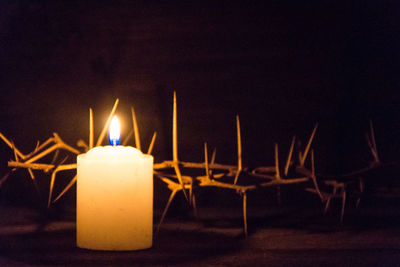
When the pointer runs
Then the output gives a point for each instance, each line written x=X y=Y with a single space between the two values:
x=114 y=199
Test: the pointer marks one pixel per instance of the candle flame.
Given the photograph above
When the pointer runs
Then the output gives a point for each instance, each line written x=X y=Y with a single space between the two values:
x=114 y=132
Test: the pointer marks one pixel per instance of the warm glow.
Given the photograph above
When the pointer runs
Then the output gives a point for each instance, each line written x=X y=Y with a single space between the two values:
x=114 y=133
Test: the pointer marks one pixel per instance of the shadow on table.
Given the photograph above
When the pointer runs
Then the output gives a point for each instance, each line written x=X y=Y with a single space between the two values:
x=171 y=247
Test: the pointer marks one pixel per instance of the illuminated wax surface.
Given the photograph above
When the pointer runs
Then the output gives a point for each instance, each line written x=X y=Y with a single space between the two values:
x=114 y=199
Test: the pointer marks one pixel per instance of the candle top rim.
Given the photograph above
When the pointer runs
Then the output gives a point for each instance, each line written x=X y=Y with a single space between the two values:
x=113 y=152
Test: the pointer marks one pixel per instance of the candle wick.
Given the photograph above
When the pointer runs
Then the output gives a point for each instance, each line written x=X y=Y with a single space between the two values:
x=114 y=142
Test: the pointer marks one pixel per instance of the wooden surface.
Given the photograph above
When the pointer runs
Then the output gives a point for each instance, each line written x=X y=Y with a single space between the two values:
x=279 y=236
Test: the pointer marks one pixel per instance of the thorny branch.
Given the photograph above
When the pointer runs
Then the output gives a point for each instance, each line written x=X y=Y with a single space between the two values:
x=216 y=175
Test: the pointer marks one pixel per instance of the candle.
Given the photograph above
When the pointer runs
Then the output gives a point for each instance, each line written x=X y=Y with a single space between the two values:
x=114 y=209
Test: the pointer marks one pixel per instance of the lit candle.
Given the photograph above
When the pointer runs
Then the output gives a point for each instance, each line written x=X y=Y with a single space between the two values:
x=114 y=209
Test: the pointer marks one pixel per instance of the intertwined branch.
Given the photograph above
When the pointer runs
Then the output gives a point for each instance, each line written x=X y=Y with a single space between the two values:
x=225 y=176
x=336 y=186
x=53 y=145
x=173 y=172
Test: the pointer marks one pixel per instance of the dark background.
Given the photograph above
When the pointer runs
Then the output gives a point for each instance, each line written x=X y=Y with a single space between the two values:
x=281 y=65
